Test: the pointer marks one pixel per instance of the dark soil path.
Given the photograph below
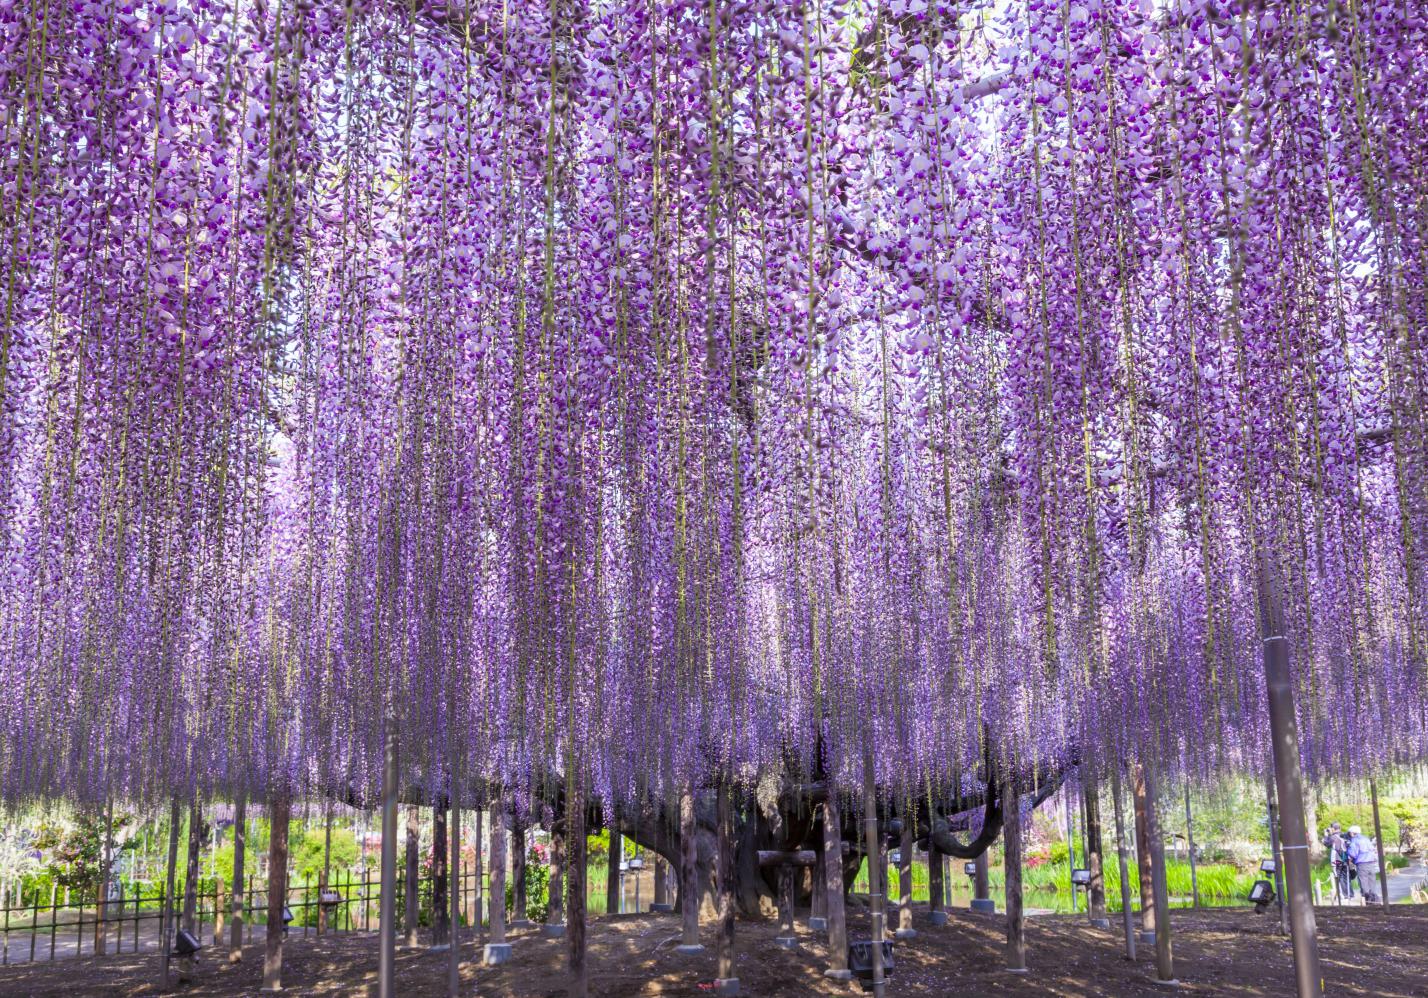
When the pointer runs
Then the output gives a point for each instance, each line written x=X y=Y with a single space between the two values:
x=1218 y=952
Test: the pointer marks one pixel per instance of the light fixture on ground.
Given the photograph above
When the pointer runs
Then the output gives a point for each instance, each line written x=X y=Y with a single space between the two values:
x=860 y=959
x=185 y=944
x=1262 y=894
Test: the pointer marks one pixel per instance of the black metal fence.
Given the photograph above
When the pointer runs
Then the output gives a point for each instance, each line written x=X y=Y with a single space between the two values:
x=37 y=927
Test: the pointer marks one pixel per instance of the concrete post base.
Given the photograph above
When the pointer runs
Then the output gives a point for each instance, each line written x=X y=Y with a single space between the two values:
x=521 y=923
x=939 y=918
x=555 y=931
x=984 y=905
x=496 y=953
x=689 y=948
x=816 y=924
x=1100 y=923
x=1146 y=938
x=661 y=908
x=786 y=942
x=838 y=975
x=438 y=947
x=726 y=987
x=905 y=934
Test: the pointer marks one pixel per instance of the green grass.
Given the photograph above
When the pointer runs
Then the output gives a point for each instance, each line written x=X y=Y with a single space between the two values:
x=1218 y=883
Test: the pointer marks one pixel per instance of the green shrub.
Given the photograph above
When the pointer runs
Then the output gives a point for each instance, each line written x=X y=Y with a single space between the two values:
x=1346 y=815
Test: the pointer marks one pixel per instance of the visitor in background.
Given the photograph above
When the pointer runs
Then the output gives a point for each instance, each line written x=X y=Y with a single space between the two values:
x=1338 y=846
x=1364 y=856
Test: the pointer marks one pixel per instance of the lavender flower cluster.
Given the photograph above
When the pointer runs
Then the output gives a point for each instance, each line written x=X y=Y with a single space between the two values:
x=650 y=390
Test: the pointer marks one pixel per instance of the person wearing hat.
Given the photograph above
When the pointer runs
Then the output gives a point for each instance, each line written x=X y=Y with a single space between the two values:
x=1337 y=845
x=1364 y=856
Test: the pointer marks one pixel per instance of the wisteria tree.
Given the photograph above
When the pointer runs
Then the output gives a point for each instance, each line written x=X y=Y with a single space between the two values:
x=633 y=405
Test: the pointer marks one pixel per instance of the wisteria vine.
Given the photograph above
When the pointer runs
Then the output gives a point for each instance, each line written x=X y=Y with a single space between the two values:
x=659 y=391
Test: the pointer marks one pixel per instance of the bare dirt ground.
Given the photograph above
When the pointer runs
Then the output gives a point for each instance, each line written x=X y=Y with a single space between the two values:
x=1217 y=952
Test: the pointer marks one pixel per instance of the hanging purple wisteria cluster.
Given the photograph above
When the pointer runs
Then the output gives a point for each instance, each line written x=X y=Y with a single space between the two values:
x=657 y=389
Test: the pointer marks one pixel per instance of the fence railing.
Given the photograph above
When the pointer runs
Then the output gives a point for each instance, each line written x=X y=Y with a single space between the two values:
x=36 y=927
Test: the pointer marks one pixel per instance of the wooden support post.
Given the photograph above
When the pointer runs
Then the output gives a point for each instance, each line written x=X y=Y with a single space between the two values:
x=453 y=963
x=1067 y=797
x=1271 y=797
x=727 y=982
x=1127 y=916
x=904 y=878
x=220 y=905
x=279 y=814
x=497 y=950
x=518 y=872
x=982 y=886
x=1378 y=841
x=877 y=869
x=387 y=900
x=833 y=872
x=1142 y=855
x=1190 y=849
x=413 y=875
x=1095 y=856
x=786 y=936
x=480 y=898
x=440 y=920
x=1284 y=740
x=612 y=867
x=688 y=874
x=661 y=887
x=555 y=893
x=326 y=877
x=1160 y=892
x=240 y=844
x=1016 y=918
x=166 y=922
x=575 y=892
x=106 y=872
x=936 y=883
x=190 y=880
x=818 y=896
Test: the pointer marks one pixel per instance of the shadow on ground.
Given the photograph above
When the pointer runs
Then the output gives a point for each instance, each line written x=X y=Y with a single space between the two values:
x=1218 y=952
